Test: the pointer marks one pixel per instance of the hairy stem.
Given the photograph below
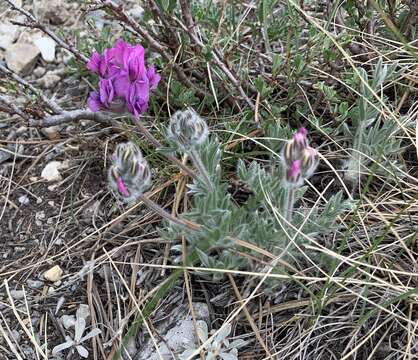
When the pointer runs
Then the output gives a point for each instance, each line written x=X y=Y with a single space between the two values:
x=157 y=144
x=160 y=211
x=290 y=203
x=197 y=161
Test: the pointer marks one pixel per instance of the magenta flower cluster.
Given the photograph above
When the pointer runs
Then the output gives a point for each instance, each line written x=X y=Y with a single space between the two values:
x=125 y=82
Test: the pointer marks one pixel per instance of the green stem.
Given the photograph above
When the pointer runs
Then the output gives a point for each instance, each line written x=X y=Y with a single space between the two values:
x=290 y=202
x=197 y=161
x=157 y=144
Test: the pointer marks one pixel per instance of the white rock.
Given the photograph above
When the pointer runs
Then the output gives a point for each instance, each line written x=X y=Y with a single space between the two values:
x=49 y=80
x=53 y=274
x=51 y=10
x=137 y=12
x=51 y=172
x=36 y=284
x=21 y=57
x=47 y=47
x=17 y=294
x=23 y=199
x=8 y=34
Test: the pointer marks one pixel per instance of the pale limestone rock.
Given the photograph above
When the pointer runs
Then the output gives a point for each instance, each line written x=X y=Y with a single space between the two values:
x=21 y=57
x=53 y=274
x=46 y=46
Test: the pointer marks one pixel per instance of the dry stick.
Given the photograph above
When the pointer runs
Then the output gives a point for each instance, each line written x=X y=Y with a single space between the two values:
x=11 y=74
x=248 y=316
x=160 y=211
x=157 y=144
x=34 y=23
x=190 y=28
x=12 y=108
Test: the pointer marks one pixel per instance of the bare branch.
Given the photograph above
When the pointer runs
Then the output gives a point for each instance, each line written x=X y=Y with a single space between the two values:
x=11 y=108
x=71 y=116
x=11 y=74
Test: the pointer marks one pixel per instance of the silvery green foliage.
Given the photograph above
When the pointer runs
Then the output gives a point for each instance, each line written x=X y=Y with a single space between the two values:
x=74 y=343
x=375 y=141
x=259 y=220
x=129 y=176
x=218 y=348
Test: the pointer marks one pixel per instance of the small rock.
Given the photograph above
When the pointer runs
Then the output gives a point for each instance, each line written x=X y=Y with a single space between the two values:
x=52 y=132
x=35 y=284
x=49 y=80
x=53 y=274
x=137 y=12
x=21 y=57
x=4 y=156
x=23 y=199
x=52 y=10
x=17 y=294
x=8 y=34
x=16 y=336
x=47 y=47
x=51 y=172
x=39 y=71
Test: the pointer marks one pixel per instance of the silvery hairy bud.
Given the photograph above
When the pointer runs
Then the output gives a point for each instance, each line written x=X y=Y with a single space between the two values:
x=294 y=174
x=299 y=159
x=187 y=129
x=129 y=175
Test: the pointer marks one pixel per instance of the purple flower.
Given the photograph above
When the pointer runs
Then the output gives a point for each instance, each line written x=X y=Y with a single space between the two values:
x=293 y=174
x=125 y=82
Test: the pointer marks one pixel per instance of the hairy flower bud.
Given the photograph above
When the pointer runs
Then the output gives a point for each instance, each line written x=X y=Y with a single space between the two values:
x=129 y=175
x=294 y=174
x=310 y=161
x=187 y=129
x=299 y=159
x=294 y=148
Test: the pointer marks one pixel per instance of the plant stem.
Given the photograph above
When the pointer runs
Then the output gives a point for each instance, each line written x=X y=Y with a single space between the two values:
x=157 y=144
x=290 y=202
x=160 y=211
x=197 y=161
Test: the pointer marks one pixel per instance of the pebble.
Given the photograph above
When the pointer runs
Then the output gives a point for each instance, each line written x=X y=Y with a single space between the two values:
x=39 y=71
x=8 y=34
x=51 y=10
x=35 y=284
x=21 y=57
x=51 y=172
x=17 y=294
x=53 y=274
x=47 y=47
x=49 y=80
x=23 y=199
x=52 y=132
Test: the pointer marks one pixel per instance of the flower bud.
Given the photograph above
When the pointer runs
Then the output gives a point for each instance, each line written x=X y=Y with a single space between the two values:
x=129 y=175
x=187 y=129
x=310 y=160
x=294 y=148
x=294 y=174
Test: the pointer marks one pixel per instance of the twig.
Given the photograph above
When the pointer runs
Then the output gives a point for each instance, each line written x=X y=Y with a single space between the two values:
x=11 y=74
x=215 y=54
x=34 y=23
x=12 y=108
x=160 y=211
x=73 y=115
x=142 y=128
